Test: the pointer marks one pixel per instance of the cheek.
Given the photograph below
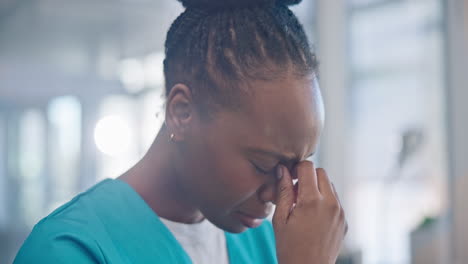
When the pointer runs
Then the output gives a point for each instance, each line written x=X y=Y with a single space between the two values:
x=220 y=176
x=240 y=176
x=236 y=177
x=232 y=181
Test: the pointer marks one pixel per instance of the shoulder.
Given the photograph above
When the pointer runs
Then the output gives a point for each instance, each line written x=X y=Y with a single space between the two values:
x=56 y=241
x=70 y=233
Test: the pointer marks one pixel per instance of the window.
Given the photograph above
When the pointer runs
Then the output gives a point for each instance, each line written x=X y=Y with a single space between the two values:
x=397 y=107
x=64 y=115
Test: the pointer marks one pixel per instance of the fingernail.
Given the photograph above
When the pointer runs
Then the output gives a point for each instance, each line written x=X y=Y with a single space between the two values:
x=279 y=172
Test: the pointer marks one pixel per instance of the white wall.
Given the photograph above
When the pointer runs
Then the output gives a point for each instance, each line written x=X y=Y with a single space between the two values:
x=331 y=44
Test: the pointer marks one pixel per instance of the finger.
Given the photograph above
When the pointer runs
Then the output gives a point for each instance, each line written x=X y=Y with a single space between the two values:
x=284 y=195
x=324 y=184
x=336 y=194
x=341 y=205
x=307 y=180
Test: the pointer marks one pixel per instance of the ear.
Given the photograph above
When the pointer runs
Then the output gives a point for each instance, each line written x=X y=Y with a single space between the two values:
x=180 y=111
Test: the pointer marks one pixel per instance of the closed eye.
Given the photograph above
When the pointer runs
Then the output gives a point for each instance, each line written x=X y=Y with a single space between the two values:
x=261 y=170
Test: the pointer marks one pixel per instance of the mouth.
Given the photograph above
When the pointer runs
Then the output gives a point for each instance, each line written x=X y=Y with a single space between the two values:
x=249 y=220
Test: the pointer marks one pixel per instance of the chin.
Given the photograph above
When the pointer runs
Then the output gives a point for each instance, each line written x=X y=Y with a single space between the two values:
x=228 y=224
x=239 y=228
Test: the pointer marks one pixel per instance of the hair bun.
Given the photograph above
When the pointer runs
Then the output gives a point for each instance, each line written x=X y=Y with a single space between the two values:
x=235 y=3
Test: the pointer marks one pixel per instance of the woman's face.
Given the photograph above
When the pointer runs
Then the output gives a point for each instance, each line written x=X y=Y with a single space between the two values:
x=228 y=165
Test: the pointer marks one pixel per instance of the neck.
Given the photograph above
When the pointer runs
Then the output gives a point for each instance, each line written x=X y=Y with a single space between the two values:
x=154 y=178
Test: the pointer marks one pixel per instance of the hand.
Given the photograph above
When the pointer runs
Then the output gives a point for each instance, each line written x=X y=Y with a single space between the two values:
x=313 y=230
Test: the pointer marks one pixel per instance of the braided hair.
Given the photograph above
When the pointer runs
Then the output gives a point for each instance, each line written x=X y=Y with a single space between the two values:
x=216 y=47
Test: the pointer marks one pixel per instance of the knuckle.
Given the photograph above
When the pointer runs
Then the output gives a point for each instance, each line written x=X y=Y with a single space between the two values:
x=311 y=200
x=335 y=207
x=342 y=215
x=304 y=204
x=309 y=203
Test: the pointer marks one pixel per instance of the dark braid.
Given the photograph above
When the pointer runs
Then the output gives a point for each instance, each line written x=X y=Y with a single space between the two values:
x=217 y=47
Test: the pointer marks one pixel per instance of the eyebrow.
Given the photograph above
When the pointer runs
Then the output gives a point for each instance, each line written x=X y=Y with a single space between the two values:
x=277 y=155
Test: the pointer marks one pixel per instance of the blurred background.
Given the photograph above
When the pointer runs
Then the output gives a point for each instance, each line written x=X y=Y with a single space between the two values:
x=81 y=88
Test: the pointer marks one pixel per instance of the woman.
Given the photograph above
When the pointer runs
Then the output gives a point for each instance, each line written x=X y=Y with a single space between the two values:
x=243 y=113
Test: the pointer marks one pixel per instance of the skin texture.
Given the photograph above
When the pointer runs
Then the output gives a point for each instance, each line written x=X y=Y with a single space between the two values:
x=312 y=232
x=221 y=168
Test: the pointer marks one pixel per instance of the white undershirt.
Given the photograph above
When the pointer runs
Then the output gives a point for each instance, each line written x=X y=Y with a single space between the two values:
x=204 y=242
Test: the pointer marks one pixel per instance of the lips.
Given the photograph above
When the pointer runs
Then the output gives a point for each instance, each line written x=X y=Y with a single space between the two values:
x=249 y=220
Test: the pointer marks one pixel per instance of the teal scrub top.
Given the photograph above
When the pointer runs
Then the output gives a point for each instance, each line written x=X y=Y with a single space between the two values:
x=110 y=223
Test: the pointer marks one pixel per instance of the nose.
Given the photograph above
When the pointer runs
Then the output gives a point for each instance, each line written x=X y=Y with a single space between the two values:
x=267 y=193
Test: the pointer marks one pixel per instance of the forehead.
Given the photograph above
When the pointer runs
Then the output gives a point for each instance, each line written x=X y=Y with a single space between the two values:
x=284 y=115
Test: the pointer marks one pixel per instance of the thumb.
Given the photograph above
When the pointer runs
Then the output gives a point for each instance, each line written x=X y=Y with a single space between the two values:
x=284 y=195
